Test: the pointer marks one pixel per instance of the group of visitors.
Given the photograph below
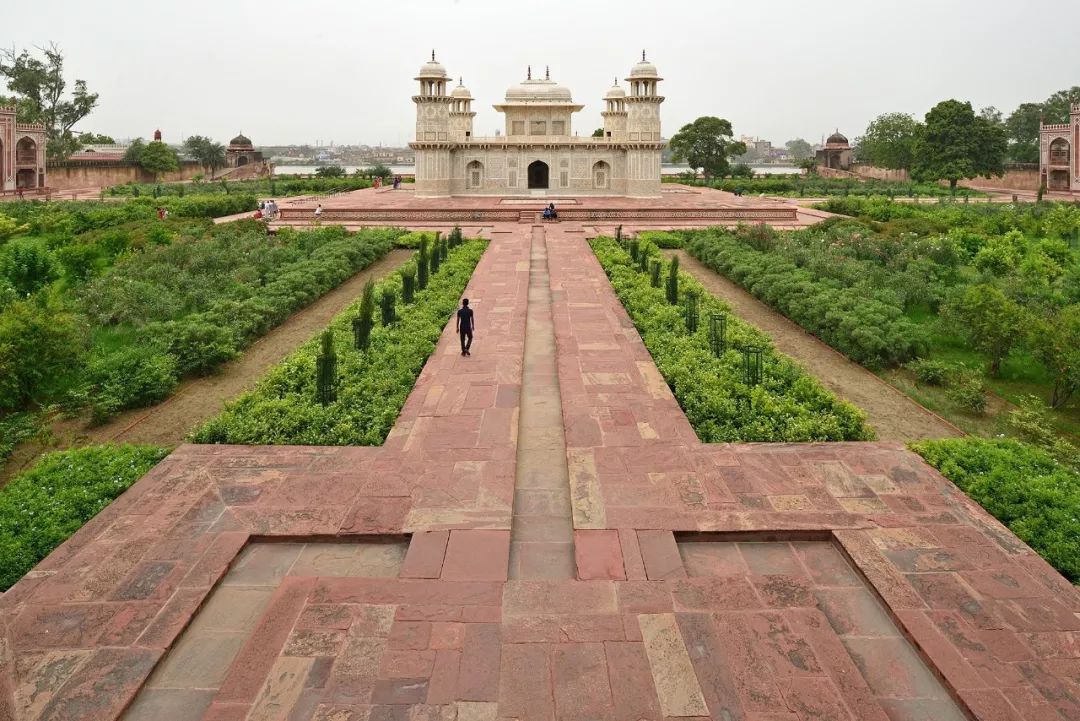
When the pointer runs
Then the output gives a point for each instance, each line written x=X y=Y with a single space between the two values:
x=268 y=210
x=550 y=213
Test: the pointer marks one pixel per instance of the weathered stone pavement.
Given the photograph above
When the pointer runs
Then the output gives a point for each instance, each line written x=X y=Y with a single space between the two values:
x=439 y=576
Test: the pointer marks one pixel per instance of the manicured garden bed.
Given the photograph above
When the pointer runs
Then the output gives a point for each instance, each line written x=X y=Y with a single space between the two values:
x=112 y=318
x=42 y=507
x=372 y=385
x=787 y=405
x=815 y=186
x=989 y=293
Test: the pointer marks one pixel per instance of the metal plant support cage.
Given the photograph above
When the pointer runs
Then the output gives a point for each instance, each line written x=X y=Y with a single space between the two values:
x=718 y=334
x=691 y=311
x=752 y=365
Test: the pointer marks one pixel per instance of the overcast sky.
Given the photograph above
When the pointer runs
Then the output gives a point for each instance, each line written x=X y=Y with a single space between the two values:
x=284 y=71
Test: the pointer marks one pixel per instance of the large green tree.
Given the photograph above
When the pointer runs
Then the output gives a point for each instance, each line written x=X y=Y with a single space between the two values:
x=210 y=155
x=41 y=94
x=993 y=322
x=954 y=143
x=1022 y=133
x=158 y=158
x=135 y=150
x=799 y=149
x=706 y=143
x=1056 y=343
x=1022 y=125
x=889 y=141
x=1056 y=107
x=96 y=139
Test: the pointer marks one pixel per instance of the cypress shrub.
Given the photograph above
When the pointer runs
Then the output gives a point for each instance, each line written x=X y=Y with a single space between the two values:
x=326 y=370
x=365 y=321
x=386 y=305
x=435 y=258
x=672 y=286
x=408 y=283
x=422 y=265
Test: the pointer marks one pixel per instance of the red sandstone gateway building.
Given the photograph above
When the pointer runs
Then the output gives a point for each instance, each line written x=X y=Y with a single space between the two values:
x=22 y=153
x=1059 y=154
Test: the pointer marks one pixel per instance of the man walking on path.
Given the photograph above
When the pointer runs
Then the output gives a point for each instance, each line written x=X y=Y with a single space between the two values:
x=465 y=326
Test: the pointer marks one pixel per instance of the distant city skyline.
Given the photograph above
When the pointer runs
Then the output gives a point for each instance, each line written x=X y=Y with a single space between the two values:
x=331 y=70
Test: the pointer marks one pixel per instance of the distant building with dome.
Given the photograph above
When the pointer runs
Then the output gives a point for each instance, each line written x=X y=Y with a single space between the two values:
x=538 y=152
x=241 y=152
x=836 y=154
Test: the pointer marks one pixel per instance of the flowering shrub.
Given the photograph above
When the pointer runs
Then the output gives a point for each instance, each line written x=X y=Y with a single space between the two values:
x=788 y=405
x=864 y=323
x=373 y=384
x=40 y=508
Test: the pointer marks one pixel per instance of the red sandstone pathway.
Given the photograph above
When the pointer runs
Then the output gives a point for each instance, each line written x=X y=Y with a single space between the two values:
x=769 y=582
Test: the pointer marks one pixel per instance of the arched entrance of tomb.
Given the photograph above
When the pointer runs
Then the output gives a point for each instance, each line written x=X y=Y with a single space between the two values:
x=1058 y=180
x=26 y=178
x=474 y=175
x=242 y=160
x=601 y=173
x=538 y=174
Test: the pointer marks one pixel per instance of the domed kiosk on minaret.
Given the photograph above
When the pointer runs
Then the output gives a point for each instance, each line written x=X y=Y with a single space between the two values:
x=537 y=152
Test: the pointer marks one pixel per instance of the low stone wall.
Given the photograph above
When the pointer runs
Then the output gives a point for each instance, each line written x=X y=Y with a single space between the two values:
x=869 y=171
x=78 y=175
x=1014 y=179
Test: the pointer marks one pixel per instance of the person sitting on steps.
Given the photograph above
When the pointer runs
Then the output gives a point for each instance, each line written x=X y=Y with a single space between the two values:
x=550 y=213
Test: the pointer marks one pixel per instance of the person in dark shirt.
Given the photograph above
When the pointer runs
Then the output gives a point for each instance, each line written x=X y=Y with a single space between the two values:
x=465 y=326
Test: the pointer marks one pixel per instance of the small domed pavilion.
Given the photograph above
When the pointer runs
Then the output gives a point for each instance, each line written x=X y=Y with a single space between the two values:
x=241 y=152
x=836 y=154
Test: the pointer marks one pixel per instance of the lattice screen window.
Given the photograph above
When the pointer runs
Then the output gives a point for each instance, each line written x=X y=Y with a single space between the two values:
x=558 y=127
x=517 y=127
x=538 y=127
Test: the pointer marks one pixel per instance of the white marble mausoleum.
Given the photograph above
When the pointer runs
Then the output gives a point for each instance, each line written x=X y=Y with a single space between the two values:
x=538 y=153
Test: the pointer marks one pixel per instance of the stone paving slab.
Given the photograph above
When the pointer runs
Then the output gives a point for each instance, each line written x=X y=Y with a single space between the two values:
x=769 y=581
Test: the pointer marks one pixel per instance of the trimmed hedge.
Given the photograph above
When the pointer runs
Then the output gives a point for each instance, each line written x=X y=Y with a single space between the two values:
x=1025 y=488
x=234 y=288
x=373 y=385
x=868 y=330
x=74 y=217
x=803 y=186
x=788 y=405
x=42 y=507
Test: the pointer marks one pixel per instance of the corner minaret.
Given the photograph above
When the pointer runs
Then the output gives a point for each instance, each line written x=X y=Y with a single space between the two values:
x=614 y=113
x=433 y=130
x=461 y=113
x=643 y=129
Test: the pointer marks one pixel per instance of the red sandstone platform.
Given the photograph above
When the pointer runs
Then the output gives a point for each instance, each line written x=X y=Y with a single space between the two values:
x=678 y=206
x=768 y=582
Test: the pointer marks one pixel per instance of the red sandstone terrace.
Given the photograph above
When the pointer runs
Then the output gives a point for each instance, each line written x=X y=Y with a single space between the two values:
x=542 y=537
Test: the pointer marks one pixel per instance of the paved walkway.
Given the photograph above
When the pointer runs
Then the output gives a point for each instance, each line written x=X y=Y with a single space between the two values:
x=768 y=582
